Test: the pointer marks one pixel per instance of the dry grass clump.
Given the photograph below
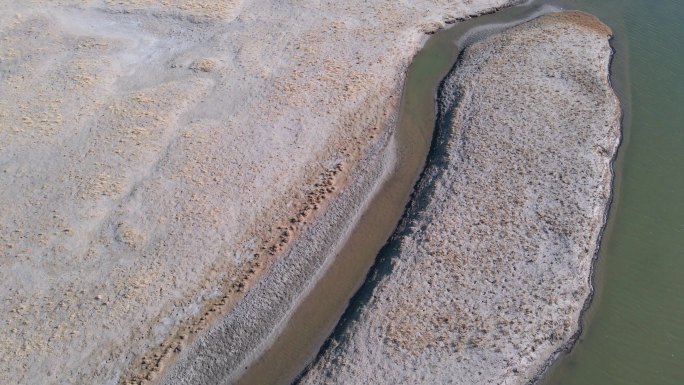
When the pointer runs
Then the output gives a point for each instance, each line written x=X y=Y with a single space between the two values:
x=204 y=65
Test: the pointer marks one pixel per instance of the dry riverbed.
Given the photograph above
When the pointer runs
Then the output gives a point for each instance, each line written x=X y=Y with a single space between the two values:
x=158 y=160
x=491 y=275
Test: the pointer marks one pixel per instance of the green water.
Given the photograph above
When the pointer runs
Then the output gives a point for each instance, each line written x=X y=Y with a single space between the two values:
x=634 y=330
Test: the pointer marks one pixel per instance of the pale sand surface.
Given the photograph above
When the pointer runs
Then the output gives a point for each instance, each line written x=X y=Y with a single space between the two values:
x=492 y=274
x=156 y=157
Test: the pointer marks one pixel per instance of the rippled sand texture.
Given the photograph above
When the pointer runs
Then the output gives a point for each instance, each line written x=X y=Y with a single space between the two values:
x=490 y=280
x=157 y=157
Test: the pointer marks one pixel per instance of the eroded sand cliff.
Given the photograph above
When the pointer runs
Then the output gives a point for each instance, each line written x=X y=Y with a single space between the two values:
x=156 y=158
x=492 y=274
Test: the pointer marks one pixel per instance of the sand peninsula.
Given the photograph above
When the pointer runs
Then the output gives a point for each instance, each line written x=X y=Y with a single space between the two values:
x=159 y=159
x=492 y=273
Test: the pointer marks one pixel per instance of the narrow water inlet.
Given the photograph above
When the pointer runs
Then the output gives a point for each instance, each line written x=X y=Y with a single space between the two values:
x=318 y=313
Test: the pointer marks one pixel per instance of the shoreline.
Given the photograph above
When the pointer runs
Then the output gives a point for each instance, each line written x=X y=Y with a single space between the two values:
x=340 y=338
x=574 y=339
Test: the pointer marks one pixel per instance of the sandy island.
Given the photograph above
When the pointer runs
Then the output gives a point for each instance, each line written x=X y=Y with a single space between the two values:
x=492 y=274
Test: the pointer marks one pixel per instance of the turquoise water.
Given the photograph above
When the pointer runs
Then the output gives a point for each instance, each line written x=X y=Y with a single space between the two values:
x=634 y=330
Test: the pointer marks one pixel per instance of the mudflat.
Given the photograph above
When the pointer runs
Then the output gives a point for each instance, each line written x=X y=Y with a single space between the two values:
x=493 y=270
x=158 y=159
